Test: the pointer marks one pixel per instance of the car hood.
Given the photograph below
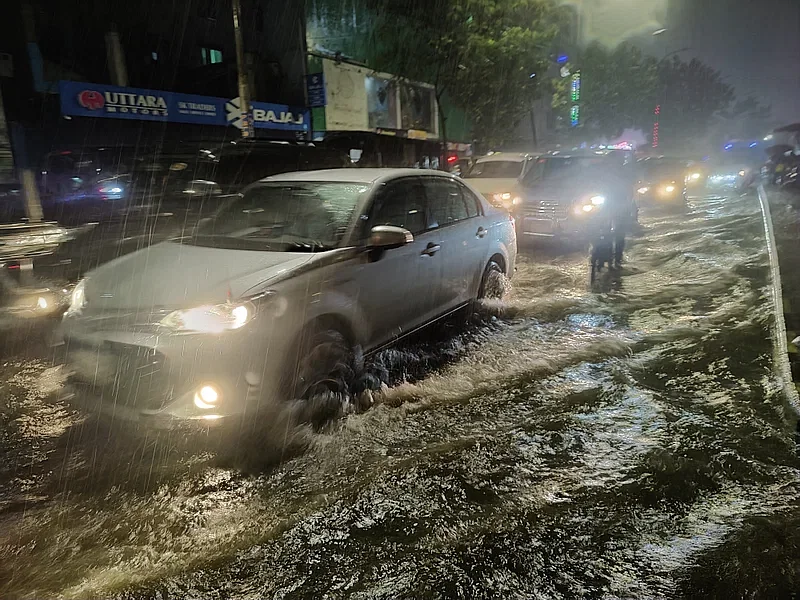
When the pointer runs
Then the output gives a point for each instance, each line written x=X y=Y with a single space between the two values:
x=567 y=189
x=494 y=185
x=173 y=275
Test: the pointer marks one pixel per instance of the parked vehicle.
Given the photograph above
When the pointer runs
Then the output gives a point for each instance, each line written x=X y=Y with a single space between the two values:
x=29 y=290
x=269 y=297
x=499 y=176
x=101 y=184
x=780 y=160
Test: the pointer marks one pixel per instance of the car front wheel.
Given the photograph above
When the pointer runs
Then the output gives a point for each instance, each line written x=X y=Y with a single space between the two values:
x=494 y=283
x=323 y=375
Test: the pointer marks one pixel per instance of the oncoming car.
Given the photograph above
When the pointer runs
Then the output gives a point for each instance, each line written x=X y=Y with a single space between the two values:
x=662 y=181
x=563 y=194
x=272 y=296
x=499 y=176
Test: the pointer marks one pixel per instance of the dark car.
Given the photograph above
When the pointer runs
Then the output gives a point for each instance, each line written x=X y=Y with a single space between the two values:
x=661 y=181
x=161 y=194
x=95 y=184
x=564 y=193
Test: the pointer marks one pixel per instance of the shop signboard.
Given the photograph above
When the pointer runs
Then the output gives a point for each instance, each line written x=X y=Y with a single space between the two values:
x=80 y=99
x=315 y=85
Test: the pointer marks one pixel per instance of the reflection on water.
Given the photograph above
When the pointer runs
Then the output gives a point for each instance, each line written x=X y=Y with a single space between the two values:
x=626 y=441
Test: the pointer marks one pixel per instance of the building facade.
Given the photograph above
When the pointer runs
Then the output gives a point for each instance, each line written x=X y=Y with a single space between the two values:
x=159 y=50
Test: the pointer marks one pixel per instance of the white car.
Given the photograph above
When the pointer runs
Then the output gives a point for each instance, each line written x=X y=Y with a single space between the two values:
x=272 y=296
x=498 y=177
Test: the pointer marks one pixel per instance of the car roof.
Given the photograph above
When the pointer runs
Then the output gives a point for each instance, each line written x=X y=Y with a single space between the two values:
x=354 y=175
x=505 y=157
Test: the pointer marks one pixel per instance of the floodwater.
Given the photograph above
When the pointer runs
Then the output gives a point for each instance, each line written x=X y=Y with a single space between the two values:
x=623 y=441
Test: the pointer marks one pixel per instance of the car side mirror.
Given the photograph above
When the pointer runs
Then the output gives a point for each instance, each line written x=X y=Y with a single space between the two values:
x=386 y=237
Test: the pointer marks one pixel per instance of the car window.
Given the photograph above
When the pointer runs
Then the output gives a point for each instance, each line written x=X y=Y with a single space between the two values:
x=401 y=204
x=497 y=169
x=473 y=204
x=446 y=201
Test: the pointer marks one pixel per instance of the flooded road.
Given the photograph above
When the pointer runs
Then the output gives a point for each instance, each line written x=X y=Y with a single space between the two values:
x=626 y=441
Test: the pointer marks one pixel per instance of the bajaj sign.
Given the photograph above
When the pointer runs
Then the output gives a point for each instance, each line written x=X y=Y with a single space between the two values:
x=267 y=115
x=90 y=100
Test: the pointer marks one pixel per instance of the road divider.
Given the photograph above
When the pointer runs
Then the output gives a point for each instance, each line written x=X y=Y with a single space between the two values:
x=780 y=340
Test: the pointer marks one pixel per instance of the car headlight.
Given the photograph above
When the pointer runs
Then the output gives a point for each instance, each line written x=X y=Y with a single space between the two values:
x=582 y=209
x=694 y=176
x=597 y=200
x=643 y=190
x=506 y=200
x=669 y=189
x=742 y=173
x=214 y=318
x=77 y=299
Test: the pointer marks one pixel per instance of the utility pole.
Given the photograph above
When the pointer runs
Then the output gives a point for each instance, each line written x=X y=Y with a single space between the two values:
x=33 y=203
x=244 y=91
x=116 y=57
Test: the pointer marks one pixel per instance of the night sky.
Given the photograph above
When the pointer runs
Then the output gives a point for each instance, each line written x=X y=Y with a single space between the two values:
x=754 y=43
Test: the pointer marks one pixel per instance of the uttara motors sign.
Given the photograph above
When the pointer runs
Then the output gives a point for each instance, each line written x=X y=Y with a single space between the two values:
x=106 y=101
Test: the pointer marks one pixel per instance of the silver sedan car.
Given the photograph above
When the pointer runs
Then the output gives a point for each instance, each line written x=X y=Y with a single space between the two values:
x=273 y=295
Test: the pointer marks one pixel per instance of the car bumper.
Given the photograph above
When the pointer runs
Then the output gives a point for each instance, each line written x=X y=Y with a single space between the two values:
x=544 y=228
x=153 y=378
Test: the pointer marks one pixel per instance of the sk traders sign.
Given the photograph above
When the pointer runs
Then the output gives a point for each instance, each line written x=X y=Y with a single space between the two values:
x=105 y=101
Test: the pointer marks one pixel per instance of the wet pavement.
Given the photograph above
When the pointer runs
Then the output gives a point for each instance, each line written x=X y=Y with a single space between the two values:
x=624 y=441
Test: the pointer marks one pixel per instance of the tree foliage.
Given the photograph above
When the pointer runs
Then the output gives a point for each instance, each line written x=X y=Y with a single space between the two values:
x=694 y=94
x=480 y=53
x=619 y=90
x=746 y=119
x=621 y=87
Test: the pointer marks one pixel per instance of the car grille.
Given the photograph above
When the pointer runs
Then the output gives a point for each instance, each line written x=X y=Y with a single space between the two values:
x=546 y=209
x=121 y=374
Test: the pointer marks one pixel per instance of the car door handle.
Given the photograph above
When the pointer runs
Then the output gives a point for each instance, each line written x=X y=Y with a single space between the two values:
x=431 y=249
x=481 y=233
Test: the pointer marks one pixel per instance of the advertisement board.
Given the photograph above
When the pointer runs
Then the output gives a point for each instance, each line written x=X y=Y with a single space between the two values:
x=382 y=102
x=418 y=107
x=346 y=94
x=359 y=99
x=80 y=99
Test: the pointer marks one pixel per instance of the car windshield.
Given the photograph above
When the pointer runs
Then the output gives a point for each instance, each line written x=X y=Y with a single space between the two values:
x=307 y=216
x=567 y=166
x=661 y=168
x=496 y=169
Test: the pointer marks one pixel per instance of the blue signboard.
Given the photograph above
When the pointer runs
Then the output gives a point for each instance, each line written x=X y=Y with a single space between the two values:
x=107 y=101
x=315 y=84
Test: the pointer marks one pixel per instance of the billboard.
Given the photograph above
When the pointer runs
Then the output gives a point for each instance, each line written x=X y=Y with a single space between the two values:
x=359 y=99
x=346 y=95
x=418 y=107
x=80 y=99
x=382 y=102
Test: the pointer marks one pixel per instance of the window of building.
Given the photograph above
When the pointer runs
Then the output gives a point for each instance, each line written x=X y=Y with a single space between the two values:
x=210 y=56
